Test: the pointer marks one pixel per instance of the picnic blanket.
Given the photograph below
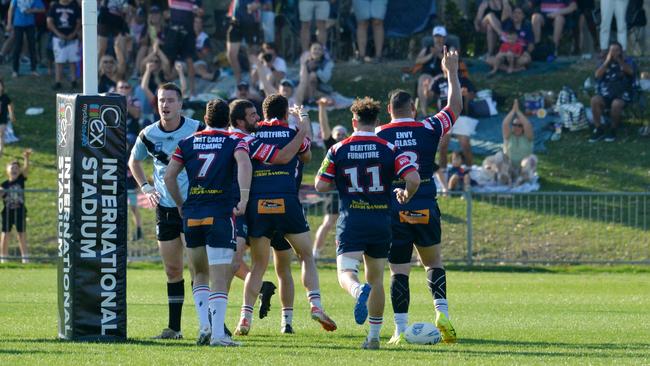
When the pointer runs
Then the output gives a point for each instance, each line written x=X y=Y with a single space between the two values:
x=488 y=139
x=535 y=68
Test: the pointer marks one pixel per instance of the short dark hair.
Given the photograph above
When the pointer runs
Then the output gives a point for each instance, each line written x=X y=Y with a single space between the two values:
x=238 y=109
x=367 y=109
x=616 y=43
x=216 y=113
x=171 y=86
x=399 y=100
x=275 y=106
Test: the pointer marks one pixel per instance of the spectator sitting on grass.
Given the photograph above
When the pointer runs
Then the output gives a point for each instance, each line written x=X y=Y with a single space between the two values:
x=276 y=67
x=315 y=74
x=518 y=143
x=614 y=89
x=14 y=212
x=509 y=56
x=457 y=175
x=430 y=57
x=462 y=129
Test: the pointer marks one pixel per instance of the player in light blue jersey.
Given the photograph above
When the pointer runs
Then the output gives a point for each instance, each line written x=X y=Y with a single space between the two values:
x=159 y=141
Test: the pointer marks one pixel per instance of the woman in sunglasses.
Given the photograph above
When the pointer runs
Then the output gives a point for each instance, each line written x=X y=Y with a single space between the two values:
x=518 y=143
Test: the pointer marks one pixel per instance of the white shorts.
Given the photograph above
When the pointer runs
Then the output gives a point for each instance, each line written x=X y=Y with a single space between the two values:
x=218 y=256
x=369 y=9
x=464 y=126
x=65 y=51
x=310 y=9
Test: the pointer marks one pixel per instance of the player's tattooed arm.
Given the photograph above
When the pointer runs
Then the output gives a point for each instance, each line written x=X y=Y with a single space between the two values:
x=298 y=143
x=174 y=168
x=412 y=180
x=244 y=176
x=450 y=63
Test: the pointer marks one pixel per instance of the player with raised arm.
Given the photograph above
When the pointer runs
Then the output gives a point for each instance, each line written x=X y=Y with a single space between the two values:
x=243 y=120
x=159 y=141
x=275 y=207
x=361 y=168
x=209 y=158
x=418 y=221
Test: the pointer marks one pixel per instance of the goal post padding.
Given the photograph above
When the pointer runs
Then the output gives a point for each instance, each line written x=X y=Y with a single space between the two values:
x=92 y=216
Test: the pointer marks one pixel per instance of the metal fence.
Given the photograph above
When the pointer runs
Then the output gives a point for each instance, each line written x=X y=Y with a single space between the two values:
x=478 y=228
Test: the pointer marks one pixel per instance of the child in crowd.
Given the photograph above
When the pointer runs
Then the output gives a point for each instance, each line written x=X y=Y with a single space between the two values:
x=511 y=49
x=457 y=175
x=14 y=212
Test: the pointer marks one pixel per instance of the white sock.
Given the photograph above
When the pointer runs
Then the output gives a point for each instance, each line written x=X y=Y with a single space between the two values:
x=246 y=312
x=314 y=298
x=287 y=316
x=218 y=305
x=355 y=290
x=401 y=322
x=441 y=306
x=201 y=294
x=375 y=326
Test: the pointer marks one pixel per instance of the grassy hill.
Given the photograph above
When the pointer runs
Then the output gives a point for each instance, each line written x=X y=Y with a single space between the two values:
x=571 y=164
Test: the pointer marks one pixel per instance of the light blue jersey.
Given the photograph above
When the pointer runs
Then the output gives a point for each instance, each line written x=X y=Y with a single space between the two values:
x=160 y=145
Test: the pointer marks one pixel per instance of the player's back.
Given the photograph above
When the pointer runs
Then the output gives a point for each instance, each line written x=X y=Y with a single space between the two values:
x=419 y=141
x=362 y=168
x=273 y=180
x=208 y=157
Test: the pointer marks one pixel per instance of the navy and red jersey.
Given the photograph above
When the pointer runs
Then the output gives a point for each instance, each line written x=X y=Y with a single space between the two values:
x=208 y=157
x=274 y=180
x=362 y=167
x=419 y=141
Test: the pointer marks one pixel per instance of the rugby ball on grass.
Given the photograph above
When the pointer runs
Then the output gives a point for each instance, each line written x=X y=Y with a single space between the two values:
x=422 y=333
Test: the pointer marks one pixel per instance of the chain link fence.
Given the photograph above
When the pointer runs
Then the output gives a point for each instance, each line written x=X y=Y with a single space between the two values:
x=478 y=228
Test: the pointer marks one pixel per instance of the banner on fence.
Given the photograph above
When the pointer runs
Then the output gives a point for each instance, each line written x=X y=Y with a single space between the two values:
x=92 y=216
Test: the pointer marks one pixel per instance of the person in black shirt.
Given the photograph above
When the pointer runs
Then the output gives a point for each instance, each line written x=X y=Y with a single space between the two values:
x=64 y=21
x=430 y=57
x=13 y=195
x=614 y=89
x=6 y=114
x=330 y=138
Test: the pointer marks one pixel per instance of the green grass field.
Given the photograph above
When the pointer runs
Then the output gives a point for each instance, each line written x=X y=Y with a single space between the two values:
x=536 y=317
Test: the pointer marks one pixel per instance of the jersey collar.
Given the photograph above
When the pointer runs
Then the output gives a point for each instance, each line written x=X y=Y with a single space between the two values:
x=363 y=133
x=399 y=120
x=237 y=130
x=274 y=122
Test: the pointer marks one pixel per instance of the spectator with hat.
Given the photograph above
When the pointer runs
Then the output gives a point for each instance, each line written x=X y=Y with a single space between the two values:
x=430 y=57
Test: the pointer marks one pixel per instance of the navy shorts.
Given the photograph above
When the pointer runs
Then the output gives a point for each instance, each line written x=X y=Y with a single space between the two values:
x=372 y=236
x=420 y=227
x=215 y=232
x=279 y=243
x=242 y=227
x=265 y=216
x=169 y=224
